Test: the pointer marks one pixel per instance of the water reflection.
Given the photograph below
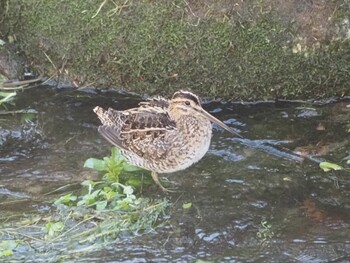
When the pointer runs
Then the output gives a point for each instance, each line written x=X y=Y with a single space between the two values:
x=268 y=183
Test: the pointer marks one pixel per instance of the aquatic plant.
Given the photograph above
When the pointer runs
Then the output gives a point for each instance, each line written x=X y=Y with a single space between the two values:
x=265 y=233
x=7 y=247
x=330 y=166
x=6 y=97
x=88 y=219
x=114 y=166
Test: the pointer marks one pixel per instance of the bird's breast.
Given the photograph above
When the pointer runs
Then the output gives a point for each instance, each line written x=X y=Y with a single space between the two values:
x=189 y=145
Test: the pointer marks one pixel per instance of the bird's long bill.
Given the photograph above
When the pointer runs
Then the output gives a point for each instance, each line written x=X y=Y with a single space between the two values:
x=220 y=123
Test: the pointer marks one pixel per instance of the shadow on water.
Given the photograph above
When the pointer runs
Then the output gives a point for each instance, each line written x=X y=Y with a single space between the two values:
x=259 y=199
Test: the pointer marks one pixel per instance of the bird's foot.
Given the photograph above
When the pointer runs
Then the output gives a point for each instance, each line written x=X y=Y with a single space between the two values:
x=156 y=180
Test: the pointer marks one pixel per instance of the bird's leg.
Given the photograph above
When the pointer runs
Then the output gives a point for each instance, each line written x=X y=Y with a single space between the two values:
x=156 y=180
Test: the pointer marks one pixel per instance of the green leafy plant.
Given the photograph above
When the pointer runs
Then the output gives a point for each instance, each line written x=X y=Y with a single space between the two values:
x=54 y=228
x=110 y=200
x=348 y=127
x=94 y=217
x=116 y=208
x=7 y=247
x=101 y=196
x=113 y=165
x=328 y=166
x=187 y=205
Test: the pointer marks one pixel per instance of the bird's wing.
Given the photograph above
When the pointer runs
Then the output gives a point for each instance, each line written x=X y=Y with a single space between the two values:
x=158 y=101
x=111 y=125
x=141 y=130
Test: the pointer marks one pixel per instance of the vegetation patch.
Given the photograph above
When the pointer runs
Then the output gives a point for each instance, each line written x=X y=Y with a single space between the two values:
x=230 y=49
x=103 y=213
x=6 y=97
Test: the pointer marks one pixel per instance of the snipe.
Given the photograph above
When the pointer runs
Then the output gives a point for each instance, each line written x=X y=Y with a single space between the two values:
x=162 y=136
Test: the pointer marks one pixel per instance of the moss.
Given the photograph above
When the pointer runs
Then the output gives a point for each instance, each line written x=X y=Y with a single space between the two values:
x=157 y=47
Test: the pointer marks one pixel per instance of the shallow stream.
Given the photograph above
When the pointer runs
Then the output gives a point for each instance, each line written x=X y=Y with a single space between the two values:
x=259 y=199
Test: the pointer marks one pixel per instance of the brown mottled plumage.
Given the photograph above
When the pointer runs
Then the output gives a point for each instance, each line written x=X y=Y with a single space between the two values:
x=161 y=135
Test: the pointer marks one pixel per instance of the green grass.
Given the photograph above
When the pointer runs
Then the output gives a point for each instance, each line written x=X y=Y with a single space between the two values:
x=157 y=47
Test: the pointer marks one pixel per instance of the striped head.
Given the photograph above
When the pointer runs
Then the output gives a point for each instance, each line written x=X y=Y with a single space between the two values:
x=186 y=103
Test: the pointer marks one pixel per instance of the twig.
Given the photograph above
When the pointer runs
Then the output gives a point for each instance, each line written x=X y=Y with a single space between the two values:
x=198 y=18
x=99 y=9
x=18 y=112
x=18 y=84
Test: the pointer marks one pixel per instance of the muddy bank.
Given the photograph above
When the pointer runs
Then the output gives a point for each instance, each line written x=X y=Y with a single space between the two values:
x=229 y=49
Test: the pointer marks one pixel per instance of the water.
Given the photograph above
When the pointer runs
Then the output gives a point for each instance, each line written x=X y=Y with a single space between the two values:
x=259 y=199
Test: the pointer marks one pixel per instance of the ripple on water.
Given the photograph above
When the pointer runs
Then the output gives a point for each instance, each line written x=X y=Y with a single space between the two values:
x=7 y=192
x=227 y=155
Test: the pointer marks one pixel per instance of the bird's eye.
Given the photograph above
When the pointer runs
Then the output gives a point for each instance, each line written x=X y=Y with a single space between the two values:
x=187 y=102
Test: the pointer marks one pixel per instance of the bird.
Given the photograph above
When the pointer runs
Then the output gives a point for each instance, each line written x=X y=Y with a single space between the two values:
x=161 y=135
